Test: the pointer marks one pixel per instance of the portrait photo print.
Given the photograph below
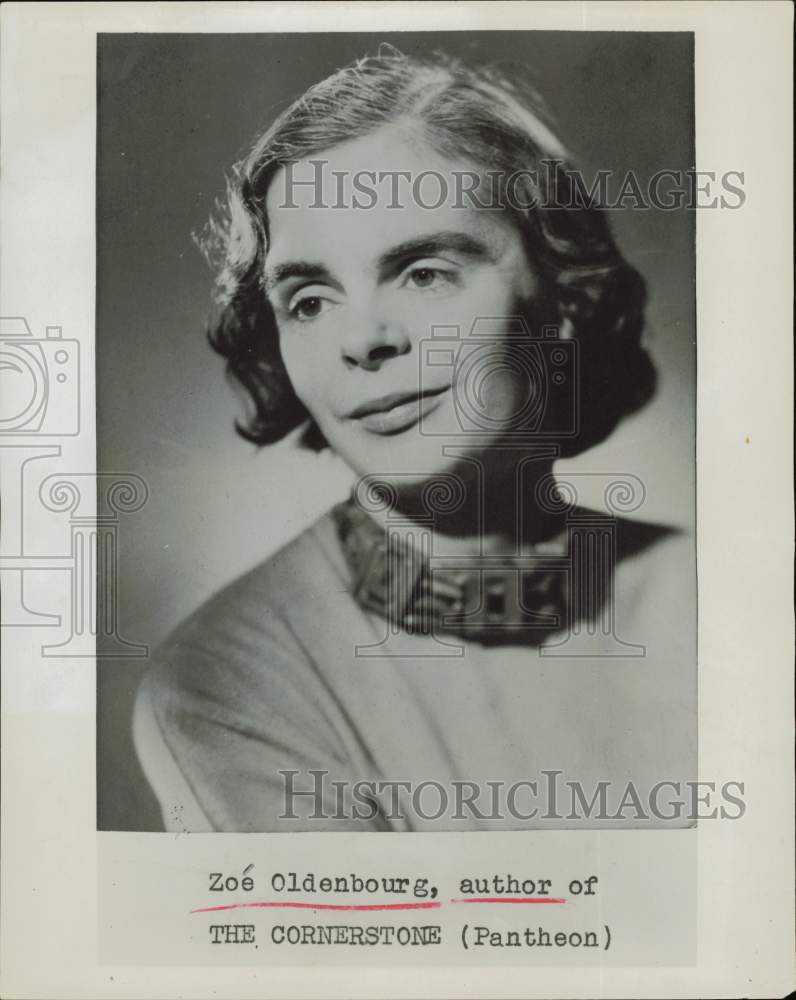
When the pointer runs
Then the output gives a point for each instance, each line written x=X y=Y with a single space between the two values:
x=397 y=335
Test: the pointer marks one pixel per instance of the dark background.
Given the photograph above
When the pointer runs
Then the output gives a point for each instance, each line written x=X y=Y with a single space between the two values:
x=174 y=113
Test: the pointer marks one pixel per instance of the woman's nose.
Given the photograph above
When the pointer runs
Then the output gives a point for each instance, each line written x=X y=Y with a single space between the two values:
x=371 y=340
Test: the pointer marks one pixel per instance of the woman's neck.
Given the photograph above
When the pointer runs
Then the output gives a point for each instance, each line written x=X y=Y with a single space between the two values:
x=470 y=510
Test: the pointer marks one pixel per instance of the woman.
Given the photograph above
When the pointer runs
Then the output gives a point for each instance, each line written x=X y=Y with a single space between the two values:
x=410 y=274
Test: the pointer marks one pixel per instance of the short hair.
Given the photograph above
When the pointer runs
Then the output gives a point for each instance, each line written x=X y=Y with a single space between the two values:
x=498 y=124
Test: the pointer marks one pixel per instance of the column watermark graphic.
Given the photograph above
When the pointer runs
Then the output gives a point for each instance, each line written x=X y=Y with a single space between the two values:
x=554 y=587
x=80 y=541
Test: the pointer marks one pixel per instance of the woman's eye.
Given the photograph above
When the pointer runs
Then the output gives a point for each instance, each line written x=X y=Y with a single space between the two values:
x=307 y=308
x=423 y=277
x=429 y=277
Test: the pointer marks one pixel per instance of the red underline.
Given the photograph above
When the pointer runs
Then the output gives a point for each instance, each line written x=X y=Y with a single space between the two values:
x=322 y=906
x=510 y=899
x=376 y=906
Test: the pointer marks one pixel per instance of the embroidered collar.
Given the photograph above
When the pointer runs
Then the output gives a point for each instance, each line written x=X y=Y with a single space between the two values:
x=484 y=599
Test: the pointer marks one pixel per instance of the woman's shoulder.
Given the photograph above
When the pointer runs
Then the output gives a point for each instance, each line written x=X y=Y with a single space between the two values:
x=655 y=572
x=259 y=595
x=245 y=626
x=633 y=578
x=231 y=689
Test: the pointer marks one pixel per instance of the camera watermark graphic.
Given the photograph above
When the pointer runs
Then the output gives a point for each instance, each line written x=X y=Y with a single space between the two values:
x=40 y=378
x=41 y=411
x=504 y=350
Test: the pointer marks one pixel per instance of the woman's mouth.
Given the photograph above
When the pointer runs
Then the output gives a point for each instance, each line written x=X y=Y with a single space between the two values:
x=398 y=411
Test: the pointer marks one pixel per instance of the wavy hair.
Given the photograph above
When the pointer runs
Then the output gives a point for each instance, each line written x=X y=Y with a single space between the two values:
x=498 y=124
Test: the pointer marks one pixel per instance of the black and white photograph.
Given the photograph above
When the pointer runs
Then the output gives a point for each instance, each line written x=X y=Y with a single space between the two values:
x=399 y=331
x=396 y=438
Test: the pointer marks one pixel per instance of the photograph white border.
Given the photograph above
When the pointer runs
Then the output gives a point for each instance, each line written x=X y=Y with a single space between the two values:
x=744 y=503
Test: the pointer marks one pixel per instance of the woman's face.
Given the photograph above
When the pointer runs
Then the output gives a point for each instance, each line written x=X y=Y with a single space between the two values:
x=375 y=306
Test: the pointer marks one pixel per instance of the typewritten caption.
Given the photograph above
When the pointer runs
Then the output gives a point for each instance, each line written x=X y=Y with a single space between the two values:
x=314 y=898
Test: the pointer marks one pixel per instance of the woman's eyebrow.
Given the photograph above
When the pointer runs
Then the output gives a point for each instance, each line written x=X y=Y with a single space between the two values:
x=294 y=269
x=434 y=244
x=421 y=246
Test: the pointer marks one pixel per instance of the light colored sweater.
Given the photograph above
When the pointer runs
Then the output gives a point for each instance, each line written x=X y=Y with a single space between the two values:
x=269 y=675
